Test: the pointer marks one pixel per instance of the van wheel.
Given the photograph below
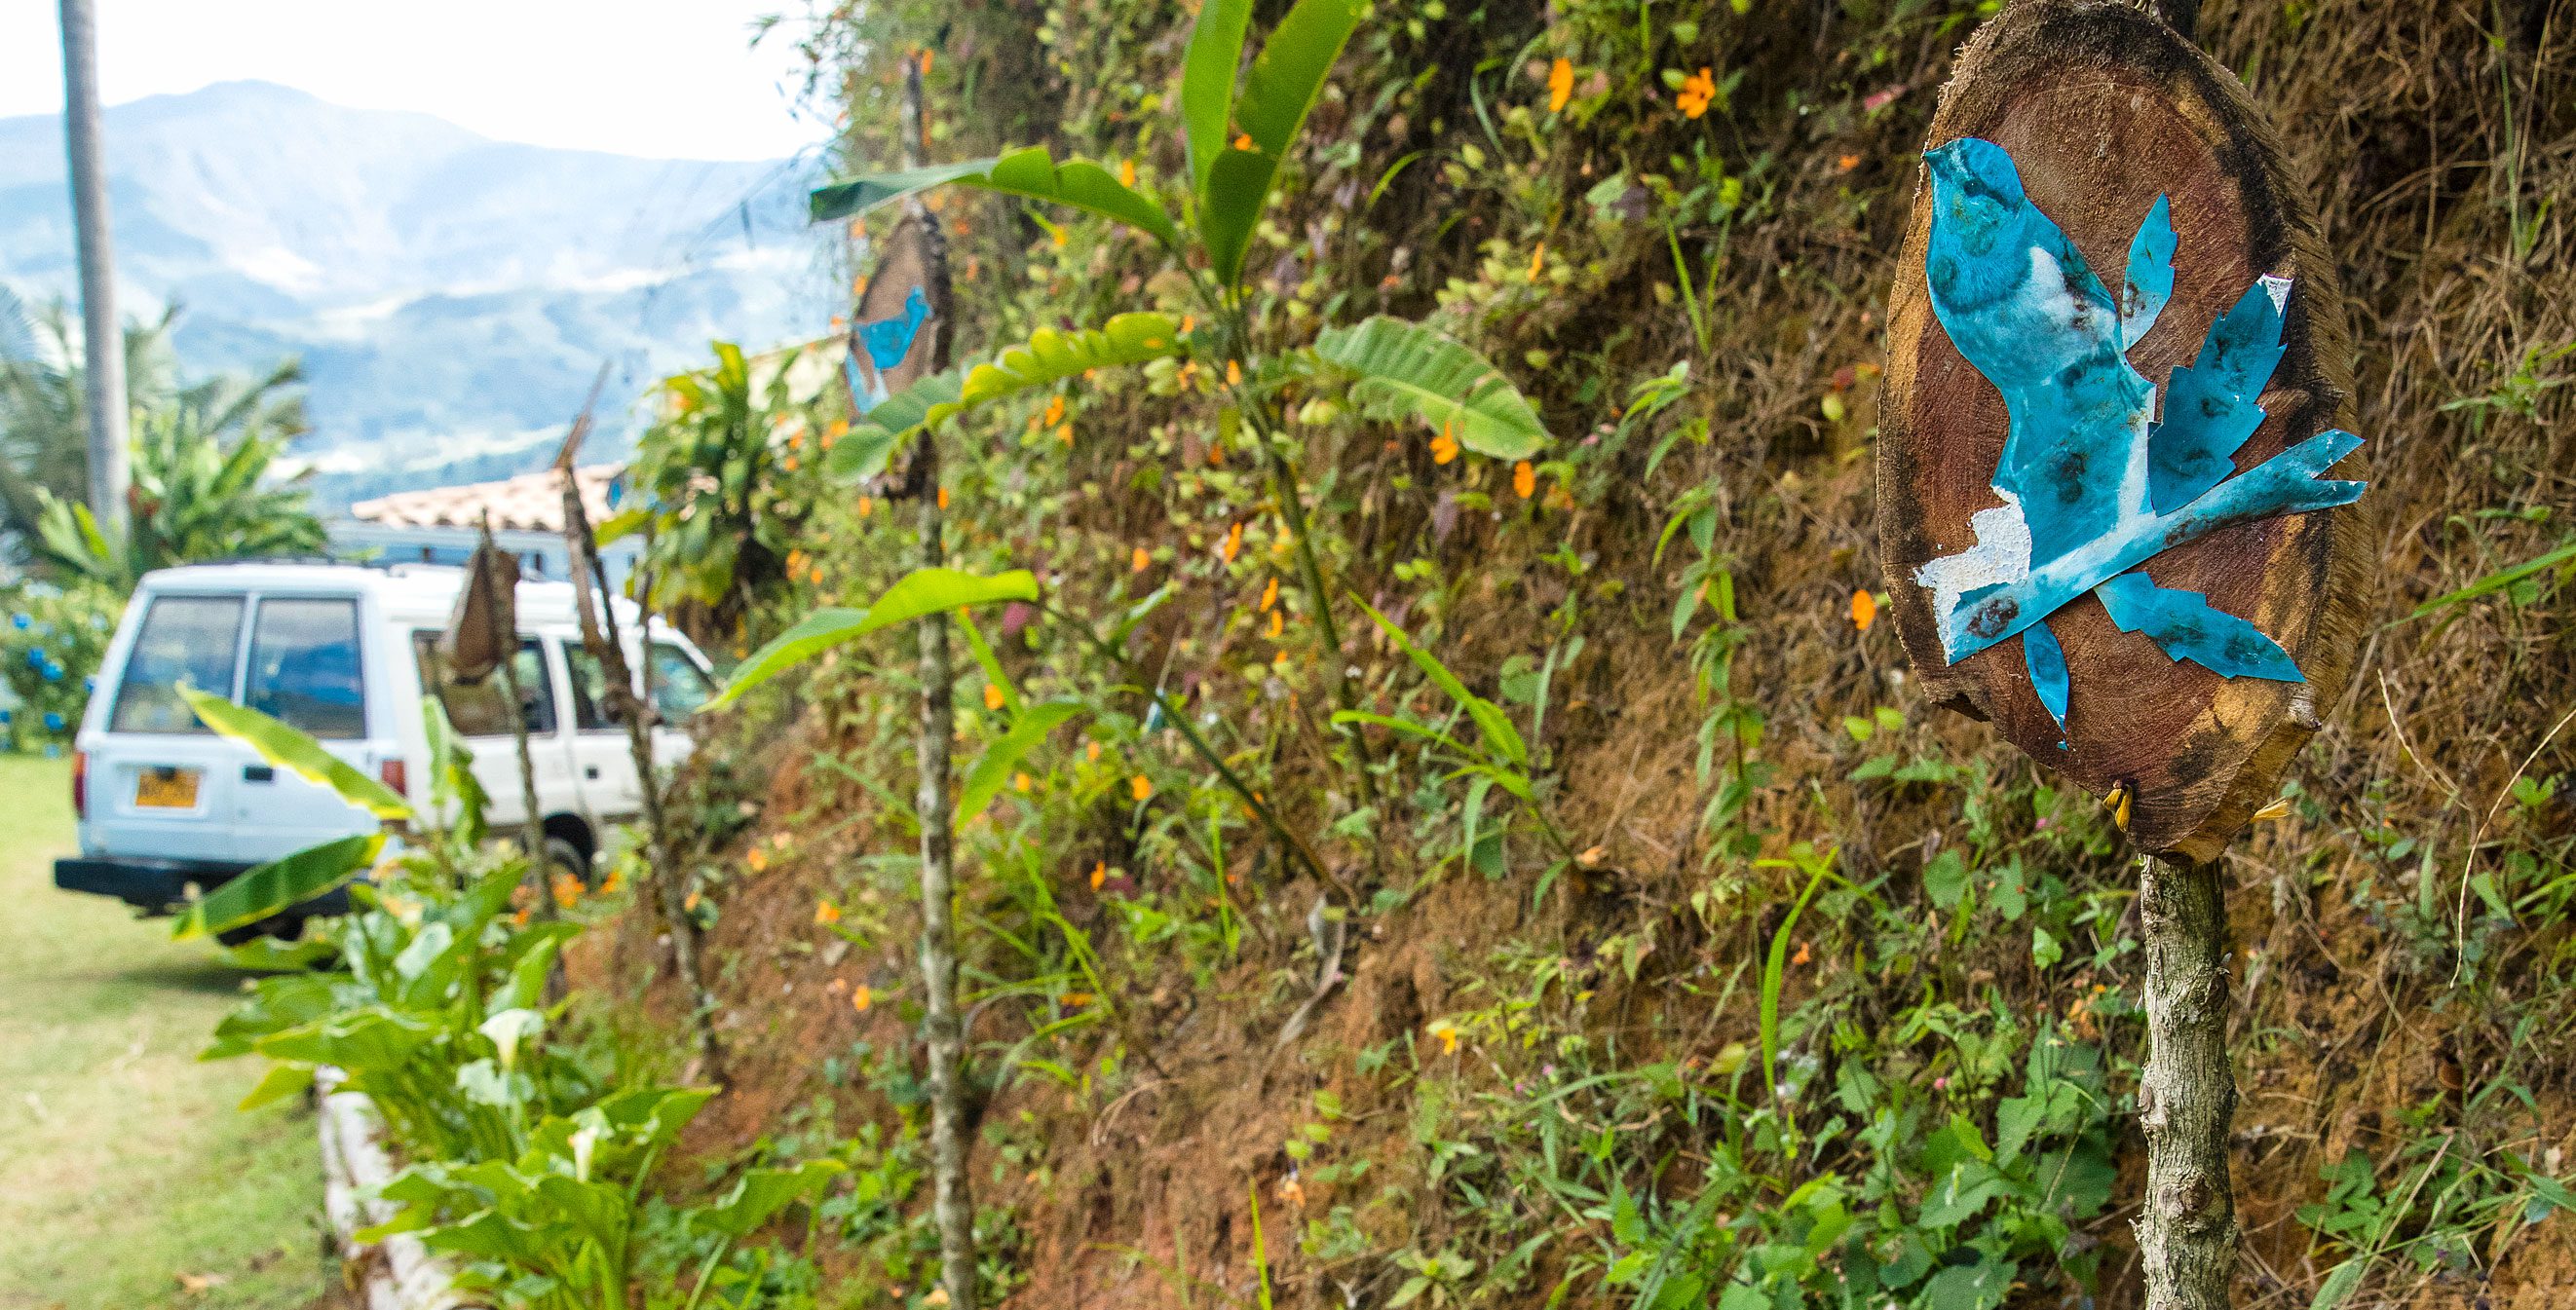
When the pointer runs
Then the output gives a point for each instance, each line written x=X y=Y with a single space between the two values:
x=283 y=927
x=563 y=857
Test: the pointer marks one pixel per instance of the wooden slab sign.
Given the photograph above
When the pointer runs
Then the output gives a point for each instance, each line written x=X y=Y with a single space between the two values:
x=900 y=313
x=2116 y=511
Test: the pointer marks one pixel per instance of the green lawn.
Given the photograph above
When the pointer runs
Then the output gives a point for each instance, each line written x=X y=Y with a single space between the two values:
x=127 y=1178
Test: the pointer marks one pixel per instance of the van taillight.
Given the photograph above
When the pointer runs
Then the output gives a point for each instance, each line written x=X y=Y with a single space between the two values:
x=393 y=775
x=80 y=785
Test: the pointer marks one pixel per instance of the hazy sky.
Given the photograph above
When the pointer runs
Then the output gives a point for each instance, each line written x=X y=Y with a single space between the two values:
x=667 y=78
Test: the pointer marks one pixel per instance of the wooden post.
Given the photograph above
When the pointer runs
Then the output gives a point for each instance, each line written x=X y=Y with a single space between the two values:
x=2187 y=1097
x=634 y=708
x=953 y=1208
x=505 y=641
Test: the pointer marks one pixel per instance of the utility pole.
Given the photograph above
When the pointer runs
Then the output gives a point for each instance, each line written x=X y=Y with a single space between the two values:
x=104 y=366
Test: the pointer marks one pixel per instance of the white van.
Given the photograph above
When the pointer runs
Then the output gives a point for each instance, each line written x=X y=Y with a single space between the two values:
x=345 y=653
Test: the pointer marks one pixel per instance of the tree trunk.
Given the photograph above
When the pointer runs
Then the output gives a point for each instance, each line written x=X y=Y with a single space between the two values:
x=2187 y=1100
x=953 y=1207
x=103 y=361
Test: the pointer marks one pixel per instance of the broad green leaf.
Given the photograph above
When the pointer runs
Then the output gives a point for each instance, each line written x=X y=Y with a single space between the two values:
x=1502 y=740
x=985 y=781
x=1399 y=368
x=281 y=884
x=1028 y=172
x=861 y=194
x=623 y=523
x=1045 y=359
x=1290 y=70
x=1238 y=185
x=765 y=1192
x=871 y=443
x=292 y=750
x=923 y=591
x=359 y=1041
x=1207 y=83
x=281 y=1081
x=1049 y=356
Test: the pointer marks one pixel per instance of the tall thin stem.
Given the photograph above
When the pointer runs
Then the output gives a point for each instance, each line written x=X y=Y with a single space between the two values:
x=2187 y=1098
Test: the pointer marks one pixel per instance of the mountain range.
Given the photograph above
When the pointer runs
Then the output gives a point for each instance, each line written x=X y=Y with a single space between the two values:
x=451 y=296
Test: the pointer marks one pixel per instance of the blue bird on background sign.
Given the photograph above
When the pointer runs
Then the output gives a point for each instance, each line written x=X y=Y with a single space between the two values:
x=2093 y=486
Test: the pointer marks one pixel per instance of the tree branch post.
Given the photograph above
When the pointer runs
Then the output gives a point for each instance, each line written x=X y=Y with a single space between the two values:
x=2187 y=1098
x=953 y=1206
x=630 y=701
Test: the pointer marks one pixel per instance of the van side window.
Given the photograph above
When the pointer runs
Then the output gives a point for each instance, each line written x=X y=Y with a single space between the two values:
x=190 y=639
x=589 y=690
x=679 y=686
x=304 y=668
x=482 y=709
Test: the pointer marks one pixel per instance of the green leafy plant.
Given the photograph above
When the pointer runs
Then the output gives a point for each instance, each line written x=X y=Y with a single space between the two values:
x=1238 y=133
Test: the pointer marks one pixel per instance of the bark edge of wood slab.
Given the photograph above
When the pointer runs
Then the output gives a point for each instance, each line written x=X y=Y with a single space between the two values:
x=2104 y=108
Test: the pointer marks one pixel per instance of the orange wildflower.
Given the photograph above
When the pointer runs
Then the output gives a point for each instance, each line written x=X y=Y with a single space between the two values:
x=1243 y=140
x=1538 y=261
x=992 y=696
x=1054 y=412
x=758 y=859
x=1524 y=479
x=1140 y=786
x=1127 y=172
x=826 y=912
x=1802 y=956
x=1064 y=433
x=567 y=890
x=1864 y=609
x=1022 y=781
x=1270 y=595
x=861 y=997
x=1697 y=91
x=1233 y=541
x=1278 y=623
x=1444 y=447
x=1091 y=750
x=1560 y=85
x=867 y=506
x=1447 y=1033
x=1099 y=874
x=943 y=497
x=1233 y=373
x=1847 y=163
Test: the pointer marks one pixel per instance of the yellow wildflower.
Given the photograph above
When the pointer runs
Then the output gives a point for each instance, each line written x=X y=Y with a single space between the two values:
x=1446 y=1033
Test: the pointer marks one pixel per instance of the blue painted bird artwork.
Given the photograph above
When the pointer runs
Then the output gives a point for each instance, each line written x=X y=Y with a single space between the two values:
x=886 y=342
x=2093 y=483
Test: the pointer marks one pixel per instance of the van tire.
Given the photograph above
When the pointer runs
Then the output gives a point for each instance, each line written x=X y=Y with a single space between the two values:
x=563 y=857
x=283 y=927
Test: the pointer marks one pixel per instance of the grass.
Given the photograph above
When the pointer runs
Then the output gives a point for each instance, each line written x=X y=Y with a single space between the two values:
x=127 y=1178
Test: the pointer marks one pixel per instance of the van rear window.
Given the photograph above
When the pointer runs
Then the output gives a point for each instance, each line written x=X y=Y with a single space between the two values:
x=190 y=639
x=304 y=668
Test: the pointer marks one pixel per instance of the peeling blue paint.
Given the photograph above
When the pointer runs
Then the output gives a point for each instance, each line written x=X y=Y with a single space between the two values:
x=2091 y=485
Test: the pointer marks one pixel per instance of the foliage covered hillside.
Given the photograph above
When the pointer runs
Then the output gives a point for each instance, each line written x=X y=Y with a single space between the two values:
x=1679 y=956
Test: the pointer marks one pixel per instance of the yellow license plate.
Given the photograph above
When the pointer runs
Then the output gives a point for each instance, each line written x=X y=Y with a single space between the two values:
x=166 y=789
